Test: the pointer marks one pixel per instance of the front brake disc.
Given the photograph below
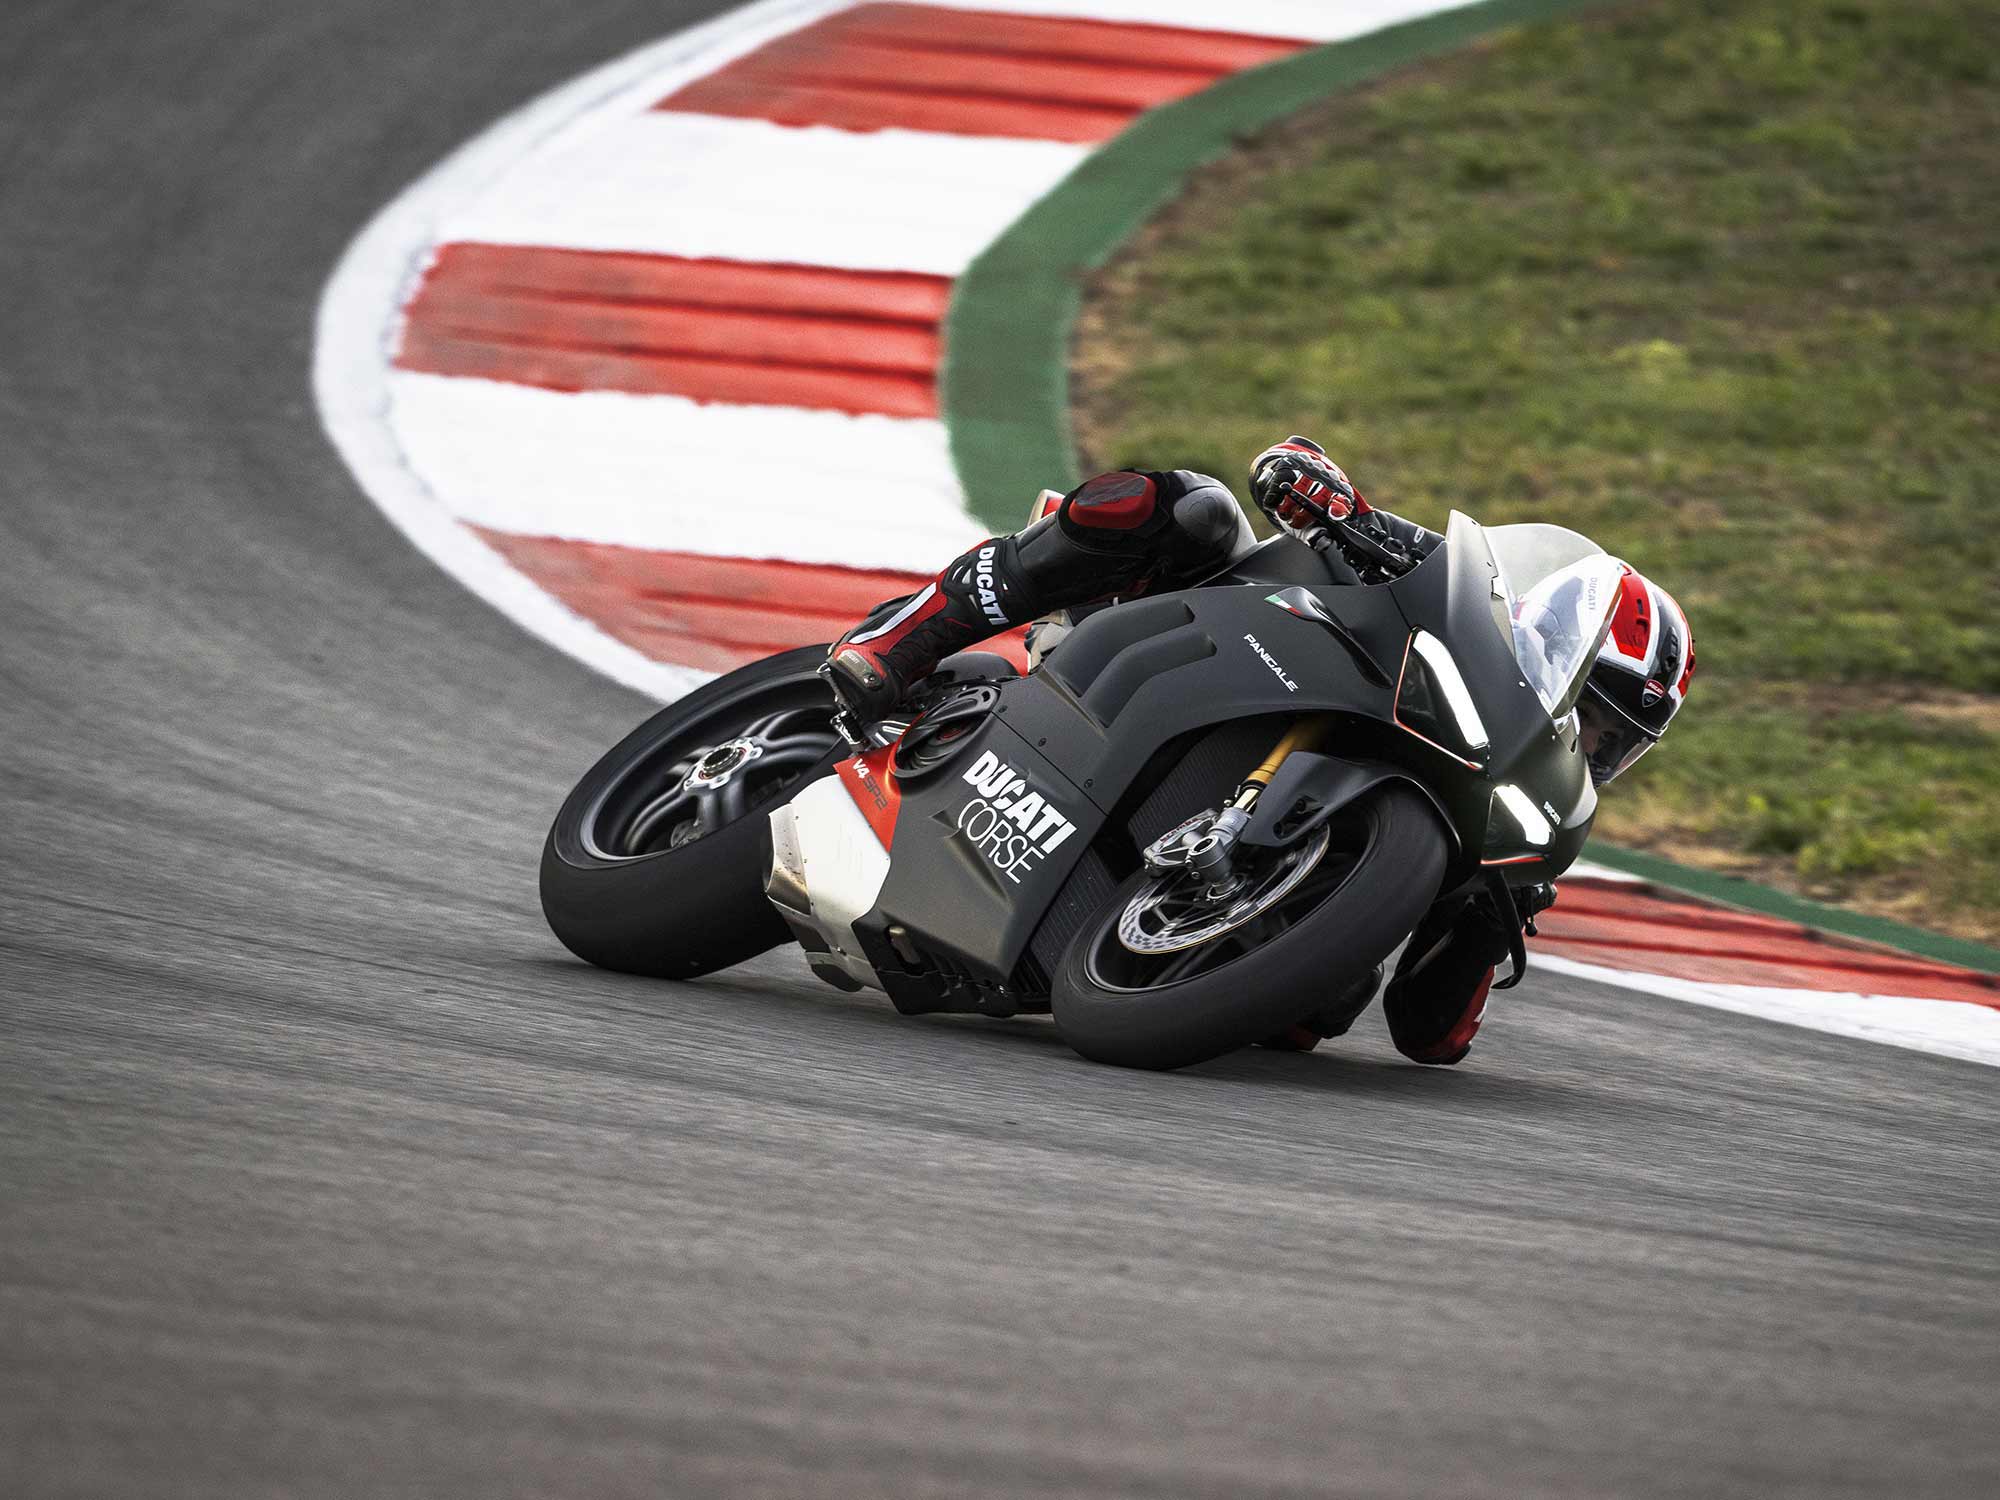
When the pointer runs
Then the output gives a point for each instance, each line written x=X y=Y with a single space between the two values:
x=1177 y=912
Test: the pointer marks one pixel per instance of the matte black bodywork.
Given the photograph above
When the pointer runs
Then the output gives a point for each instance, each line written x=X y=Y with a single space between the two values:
x=1135 y=688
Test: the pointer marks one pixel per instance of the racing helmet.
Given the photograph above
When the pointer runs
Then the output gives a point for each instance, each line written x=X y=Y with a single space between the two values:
x=1640 y=678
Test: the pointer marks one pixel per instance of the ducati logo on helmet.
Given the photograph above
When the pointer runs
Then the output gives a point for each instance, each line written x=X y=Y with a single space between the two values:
x=1653 y=693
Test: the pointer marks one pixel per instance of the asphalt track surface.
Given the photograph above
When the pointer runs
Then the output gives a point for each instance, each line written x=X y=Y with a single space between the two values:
x=323 y=1172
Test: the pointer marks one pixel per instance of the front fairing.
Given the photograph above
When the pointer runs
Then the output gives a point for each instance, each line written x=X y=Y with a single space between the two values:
x=1461 y=596
x=1539 y=791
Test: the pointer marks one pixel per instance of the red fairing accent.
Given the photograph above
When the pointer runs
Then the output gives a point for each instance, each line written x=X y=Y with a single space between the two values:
x=1361 y=505
x=1011 y=644
x=1456 y=1040
x=1113 y=502
x=874 y=791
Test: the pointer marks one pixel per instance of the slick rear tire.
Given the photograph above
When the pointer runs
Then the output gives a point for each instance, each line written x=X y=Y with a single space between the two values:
x=1398 y=850
x=679 y=912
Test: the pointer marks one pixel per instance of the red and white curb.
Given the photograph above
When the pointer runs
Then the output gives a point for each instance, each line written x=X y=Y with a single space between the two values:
x=1616 y=930
x=651 y=365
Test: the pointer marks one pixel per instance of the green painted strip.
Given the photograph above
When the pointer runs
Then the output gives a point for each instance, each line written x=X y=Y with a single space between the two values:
x=1710 y=885
x=1005 y=383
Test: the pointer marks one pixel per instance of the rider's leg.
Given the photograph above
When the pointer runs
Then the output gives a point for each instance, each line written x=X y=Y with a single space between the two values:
x=1119 y=535
x=1331 y=1019
x=1438 y=996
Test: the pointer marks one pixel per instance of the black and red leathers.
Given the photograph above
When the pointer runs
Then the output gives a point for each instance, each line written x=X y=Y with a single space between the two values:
x=1117 y=536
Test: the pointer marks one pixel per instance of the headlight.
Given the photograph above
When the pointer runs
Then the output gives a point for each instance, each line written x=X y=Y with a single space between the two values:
x=1434 y=704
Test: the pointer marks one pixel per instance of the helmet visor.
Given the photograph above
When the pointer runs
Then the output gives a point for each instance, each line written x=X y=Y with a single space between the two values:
x=1613 y=742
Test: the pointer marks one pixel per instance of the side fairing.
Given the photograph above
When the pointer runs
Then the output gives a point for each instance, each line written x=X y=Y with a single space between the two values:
x=983 y=845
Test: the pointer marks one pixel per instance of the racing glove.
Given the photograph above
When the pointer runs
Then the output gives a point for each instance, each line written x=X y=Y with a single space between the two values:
x=1300 y=489
x=1306 y=493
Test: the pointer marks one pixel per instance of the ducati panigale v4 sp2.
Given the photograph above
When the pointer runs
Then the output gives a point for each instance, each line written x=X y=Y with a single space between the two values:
x=1186 y=826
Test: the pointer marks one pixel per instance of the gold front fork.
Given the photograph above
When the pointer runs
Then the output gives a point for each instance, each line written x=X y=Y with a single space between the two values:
x=1207 y=855
x=1303 y=735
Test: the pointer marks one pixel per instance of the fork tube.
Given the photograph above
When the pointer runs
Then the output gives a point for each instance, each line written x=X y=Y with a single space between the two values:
x=1301 y=736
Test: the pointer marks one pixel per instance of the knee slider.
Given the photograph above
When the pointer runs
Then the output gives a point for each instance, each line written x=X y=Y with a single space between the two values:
x=1209 y=517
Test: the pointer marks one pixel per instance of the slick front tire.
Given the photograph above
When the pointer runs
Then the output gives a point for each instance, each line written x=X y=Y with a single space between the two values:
x=1379 y=874
x=656 y=862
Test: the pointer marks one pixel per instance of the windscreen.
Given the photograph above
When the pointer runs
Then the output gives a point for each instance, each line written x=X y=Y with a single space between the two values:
x=1557 y=588
x=1561 y=589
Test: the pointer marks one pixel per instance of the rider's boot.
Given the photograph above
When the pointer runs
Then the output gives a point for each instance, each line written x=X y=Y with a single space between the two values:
x=1118 y=535
x=899 y=642
x=1331 y=1019
x=1436 y=999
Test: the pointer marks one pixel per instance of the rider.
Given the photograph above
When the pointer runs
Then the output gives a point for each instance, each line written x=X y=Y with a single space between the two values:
x=1134 y=532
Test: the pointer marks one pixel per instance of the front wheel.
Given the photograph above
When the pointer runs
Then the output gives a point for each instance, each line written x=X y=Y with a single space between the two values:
x=1166 y=973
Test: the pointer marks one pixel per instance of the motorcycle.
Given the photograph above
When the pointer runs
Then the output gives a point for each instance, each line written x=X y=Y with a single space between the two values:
x=1185 y=825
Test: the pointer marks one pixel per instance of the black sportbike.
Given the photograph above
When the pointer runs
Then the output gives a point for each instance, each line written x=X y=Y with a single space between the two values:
x=1193 y=820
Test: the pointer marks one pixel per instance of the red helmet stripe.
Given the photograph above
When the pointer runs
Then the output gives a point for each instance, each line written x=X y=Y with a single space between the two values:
x=1633 y=641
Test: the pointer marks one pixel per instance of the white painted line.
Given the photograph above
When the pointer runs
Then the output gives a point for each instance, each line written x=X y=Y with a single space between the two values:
x=1946 y=1028
x=675 y=475
x=708 y=186
x=1583 y=869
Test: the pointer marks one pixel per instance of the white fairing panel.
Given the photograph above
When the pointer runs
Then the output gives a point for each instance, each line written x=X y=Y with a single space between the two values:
x=820 y=842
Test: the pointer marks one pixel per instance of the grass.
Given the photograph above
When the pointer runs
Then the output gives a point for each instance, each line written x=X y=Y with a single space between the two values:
x=1717 y=283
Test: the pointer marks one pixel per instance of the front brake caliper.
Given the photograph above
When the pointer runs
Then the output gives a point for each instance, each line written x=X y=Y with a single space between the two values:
x=1202 y=846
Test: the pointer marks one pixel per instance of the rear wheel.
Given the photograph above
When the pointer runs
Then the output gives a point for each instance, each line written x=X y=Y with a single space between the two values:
x=656 y=862
x=1168 y=973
